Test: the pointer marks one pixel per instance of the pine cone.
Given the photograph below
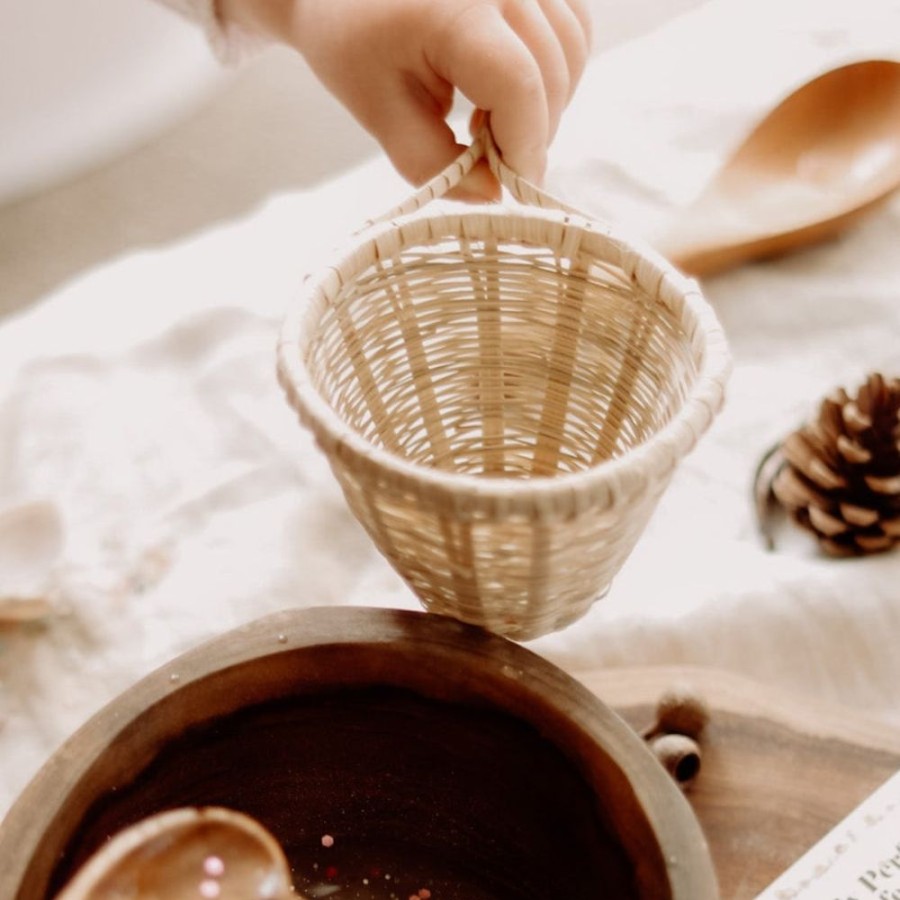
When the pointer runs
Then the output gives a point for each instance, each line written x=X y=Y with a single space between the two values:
x=839 y=476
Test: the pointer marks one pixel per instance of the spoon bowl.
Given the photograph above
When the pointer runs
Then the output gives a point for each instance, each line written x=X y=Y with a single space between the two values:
x=823 y=157
x=187 y=854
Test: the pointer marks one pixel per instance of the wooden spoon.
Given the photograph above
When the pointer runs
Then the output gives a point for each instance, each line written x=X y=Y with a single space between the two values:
x=824 y=156
x=187 y=854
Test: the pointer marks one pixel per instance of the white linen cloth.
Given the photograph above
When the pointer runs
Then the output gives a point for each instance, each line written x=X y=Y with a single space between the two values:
x=140 y=403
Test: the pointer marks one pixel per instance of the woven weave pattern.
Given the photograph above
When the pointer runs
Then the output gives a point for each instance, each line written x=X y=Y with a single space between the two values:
x=503 y=396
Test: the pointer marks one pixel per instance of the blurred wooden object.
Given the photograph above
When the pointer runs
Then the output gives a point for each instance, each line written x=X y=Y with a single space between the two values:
x=818 y=161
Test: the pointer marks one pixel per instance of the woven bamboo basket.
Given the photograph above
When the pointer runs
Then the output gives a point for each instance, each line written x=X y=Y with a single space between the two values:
x=503 y=393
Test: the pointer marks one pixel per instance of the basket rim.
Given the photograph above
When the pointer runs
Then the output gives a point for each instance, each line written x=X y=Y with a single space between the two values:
x=610 y=481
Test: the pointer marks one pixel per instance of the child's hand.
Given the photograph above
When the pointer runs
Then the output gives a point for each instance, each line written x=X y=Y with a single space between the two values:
x=396 y=63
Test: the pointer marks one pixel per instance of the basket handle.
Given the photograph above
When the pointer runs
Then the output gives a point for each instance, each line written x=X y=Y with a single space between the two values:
x=482 y=147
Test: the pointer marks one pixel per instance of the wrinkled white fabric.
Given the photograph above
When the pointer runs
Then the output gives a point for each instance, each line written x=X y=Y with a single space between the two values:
x=141 y=403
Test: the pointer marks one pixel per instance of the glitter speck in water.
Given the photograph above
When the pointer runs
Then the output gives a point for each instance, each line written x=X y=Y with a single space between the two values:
x=282 y=638
x=210 y=889
x=213 y=866
x=174 y=677
x=327 y=840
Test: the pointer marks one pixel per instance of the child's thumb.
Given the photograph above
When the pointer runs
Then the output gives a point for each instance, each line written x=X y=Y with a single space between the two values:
x=420 y=144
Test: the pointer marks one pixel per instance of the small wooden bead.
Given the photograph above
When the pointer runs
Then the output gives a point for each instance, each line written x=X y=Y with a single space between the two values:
x=681 y=711
x=679 y=755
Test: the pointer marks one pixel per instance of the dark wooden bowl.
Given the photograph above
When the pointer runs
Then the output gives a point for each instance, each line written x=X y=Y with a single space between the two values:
x=431 y=751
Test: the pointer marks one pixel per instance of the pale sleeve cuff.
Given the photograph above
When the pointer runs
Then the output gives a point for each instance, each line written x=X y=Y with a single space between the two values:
x=229 y=42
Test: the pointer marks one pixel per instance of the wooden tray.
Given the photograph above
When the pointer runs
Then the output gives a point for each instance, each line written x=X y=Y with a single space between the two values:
x=778 y=773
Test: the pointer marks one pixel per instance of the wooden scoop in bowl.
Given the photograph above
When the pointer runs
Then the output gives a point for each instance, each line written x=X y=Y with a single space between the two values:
x=824 y=156
x=187 y=854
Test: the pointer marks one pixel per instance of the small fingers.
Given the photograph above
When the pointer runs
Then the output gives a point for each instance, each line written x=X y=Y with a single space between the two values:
x=517 y=60
x=417 y=139
x=573 y=30
x=530 y=22
x=581 y=10
x=490 y=64
x=410 y=126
